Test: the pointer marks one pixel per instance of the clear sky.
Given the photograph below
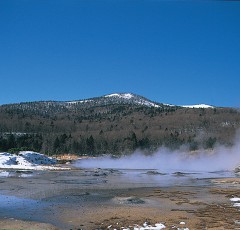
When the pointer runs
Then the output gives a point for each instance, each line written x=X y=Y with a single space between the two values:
x=178 y=52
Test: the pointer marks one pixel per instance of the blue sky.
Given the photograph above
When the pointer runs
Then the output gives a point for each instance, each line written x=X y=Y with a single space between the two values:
x=178 y=52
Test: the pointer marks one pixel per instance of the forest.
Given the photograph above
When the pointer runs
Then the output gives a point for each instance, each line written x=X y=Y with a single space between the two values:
x=116 y=129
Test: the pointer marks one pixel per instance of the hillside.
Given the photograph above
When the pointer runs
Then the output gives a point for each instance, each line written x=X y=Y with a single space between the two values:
x=113 y=124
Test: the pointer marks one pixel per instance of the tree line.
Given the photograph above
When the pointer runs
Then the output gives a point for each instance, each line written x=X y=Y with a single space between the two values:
x=90 y=145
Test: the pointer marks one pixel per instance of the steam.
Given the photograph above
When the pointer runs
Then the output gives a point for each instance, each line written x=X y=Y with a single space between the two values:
x=220 y=158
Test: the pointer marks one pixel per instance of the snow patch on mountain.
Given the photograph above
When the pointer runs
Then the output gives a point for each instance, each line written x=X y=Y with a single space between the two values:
x=135 y=99
x=26 y=160
x=115 y=98
x=197 y=106
x=149 y=104
x=81 y=101
x=168 y=104
x=120 y=95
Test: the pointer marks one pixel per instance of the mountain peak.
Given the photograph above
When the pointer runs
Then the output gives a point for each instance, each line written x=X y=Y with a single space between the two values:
x=121 y=95
x=130 y=98
x=118 y=98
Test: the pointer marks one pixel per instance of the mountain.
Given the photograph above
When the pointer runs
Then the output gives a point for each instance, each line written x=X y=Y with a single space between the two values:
x=51 y=107
x=117 y=123
x=116 y=98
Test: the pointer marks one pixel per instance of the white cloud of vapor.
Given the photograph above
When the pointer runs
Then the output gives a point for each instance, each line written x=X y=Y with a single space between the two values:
x=220 y=158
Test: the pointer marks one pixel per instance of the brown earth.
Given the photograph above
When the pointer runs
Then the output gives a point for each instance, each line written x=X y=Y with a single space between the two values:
x=19 y=224
x=199 y=208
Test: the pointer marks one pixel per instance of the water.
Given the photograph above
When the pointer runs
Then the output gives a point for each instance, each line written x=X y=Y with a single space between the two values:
x=15 y=207
x=155 y=178
x=41 y=196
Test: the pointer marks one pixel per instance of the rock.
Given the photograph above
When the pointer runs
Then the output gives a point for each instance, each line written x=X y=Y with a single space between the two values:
x=154 y=173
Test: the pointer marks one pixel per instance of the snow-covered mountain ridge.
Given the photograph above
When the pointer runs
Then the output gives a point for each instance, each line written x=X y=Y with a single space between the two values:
x=44 y=107
x=118 y=98
x=129 y=98
x=136 y=99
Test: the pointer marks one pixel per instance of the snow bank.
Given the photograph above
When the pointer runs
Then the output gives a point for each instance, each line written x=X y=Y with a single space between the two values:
x=26 y=160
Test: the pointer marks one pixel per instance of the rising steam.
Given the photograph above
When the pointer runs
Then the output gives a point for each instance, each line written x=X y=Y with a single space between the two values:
x=220 y=158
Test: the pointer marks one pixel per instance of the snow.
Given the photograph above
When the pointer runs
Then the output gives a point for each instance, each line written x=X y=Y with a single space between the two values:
x=19 y=173
x=148 y=103
x=120 y=95
x=4 y=174
x=197 y=106
x=26 y=160
x=145 y=226
x=236 y=205
x=76 y=102
x=235 y=199
x=129 y=96
x=157 y=226
x=140 y=101
x=169 y=104
x=151 y=104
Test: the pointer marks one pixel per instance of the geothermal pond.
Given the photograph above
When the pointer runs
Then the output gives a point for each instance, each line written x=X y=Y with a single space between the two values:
x=96 y=198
